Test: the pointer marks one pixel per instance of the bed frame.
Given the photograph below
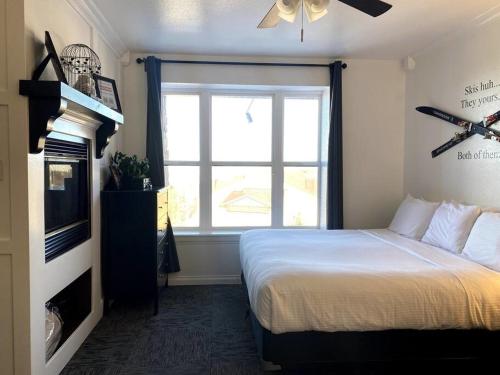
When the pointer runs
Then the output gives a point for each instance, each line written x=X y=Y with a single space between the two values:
x=290 y=350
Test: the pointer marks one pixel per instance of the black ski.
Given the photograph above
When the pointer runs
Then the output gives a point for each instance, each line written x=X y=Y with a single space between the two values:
x=445 y=116
x=470 y=128
x=458 y=138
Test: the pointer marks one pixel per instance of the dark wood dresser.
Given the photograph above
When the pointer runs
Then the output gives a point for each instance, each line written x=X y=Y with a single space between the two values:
x=134 y=227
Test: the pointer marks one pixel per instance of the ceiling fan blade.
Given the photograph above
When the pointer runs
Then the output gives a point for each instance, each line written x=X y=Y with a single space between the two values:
x=372 y=7
x=317 y=5
x=271 y=19
x=288 y=9
x=313 y=11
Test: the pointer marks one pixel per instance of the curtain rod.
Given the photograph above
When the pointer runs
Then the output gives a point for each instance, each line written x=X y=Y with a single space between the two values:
x=141 y=60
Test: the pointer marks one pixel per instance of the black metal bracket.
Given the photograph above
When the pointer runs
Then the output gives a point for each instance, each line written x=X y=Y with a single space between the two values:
x=43 y=112
x=103 y=136
x=49 y=100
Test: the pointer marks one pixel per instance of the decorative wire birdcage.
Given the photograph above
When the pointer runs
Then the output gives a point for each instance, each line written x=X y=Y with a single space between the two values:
x=80 y=62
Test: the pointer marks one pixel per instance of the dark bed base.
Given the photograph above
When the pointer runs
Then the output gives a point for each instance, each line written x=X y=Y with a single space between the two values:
x=290 y=349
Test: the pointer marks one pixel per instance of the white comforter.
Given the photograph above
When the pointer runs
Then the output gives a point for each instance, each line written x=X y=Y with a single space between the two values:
x=301 y=280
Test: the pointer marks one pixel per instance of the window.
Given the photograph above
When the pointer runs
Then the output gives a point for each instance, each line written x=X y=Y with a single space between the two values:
x=242 y=159
x=300 y=154
x=182 y=153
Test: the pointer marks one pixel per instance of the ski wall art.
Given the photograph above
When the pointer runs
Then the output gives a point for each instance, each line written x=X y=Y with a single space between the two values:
x=470 y=128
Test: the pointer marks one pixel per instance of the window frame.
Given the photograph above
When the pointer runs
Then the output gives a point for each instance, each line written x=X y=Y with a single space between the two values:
x=277 y=163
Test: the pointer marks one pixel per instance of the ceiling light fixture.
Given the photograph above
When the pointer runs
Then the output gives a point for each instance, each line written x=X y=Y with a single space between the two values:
x=288 y=10
x=315 y=9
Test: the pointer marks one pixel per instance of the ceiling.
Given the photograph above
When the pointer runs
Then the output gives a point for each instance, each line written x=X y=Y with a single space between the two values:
x=228 y=27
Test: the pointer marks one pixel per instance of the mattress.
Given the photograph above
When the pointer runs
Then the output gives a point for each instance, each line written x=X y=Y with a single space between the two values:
x=363 y=280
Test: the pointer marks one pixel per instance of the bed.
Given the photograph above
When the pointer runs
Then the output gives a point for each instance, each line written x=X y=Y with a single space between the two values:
x=320 y=296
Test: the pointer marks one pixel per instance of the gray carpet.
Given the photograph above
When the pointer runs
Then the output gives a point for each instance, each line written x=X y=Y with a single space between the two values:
x=199 y=330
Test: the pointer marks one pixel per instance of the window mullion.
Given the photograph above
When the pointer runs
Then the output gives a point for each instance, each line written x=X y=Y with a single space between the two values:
x=205 y=167
x=321 y=189
x=241 y=164
x=300 y=164
x=277 y=165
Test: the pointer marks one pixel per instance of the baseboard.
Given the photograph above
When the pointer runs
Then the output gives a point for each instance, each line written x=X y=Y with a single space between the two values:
x=204 y=280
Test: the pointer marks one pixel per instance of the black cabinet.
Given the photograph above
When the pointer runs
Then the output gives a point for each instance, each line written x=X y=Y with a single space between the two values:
x=134 y=227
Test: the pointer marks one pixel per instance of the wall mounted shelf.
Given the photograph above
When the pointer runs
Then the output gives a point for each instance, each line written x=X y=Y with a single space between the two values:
x=50 y=100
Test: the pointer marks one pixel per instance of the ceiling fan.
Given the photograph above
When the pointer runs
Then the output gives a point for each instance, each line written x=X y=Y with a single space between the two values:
x=315 y=9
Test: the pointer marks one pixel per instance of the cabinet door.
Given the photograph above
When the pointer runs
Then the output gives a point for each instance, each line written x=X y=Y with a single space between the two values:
x=131 y=243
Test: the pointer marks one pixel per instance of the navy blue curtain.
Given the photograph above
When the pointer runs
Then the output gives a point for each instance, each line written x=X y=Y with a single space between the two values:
x=154 y=140
x=170 y=260
x=154 y=153
x=335 y=199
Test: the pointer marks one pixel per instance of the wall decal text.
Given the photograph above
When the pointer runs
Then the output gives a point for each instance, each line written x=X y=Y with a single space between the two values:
x=488 y=92
x=478 y=155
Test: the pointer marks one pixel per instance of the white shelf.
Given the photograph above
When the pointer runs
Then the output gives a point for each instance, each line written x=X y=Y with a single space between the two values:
x=64 y=269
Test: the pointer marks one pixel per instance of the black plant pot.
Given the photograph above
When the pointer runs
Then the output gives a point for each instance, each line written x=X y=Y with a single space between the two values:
x=134 y=183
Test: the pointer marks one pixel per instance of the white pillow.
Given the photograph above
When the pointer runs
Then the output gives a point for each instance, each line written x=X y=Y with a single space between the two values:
x=451 y=225
x=483 y=245
x=413 y=217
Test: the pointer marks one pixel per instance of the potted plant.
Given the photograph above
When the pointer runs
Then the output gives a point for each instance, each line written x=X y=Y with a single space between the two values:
x=130 y=172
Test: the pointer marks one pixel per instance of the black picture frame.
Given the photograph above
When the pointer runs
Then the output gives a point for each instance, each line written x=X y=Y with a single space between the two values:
x=54 y=58
x=51 y=57
x=109 y=98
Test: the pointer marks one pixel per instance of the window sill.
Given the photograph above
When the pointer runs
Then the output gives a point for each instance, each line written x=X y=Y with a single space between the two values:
x=217 y=236
x=190 y=233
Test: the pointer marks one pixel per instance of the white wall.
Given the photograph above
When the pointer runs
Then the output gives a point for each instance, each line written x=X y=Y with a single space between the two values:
x=373 y=92
x=373 y=126
x=440 y=79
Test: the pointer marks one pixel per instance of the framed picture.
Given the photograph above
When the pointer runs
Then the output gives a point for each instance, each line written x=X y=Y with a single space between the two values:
x=52 y=57
x=105 y=89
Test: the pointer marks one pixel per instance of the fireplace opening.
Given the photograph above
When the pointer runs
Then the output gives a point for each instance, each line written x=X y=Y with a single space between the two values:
x=74 y=304
x=67 y=193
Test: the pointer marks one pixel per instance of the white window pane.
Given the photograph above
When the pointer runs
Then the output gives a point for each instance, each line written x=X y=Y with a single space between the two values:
x=182 y=127
x=241 y=128
x=183 y=195
x=301 y=122
x=300 y=201
x=241 y=196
